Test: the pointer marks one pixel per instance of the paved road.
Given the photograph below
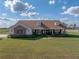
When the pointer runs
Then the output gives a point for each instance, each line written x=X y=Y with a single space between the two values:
x=3 y=35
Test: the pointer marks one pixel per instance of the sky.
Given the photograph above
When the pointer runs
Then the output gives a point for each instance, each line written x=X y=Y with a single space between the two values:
x=13 y=10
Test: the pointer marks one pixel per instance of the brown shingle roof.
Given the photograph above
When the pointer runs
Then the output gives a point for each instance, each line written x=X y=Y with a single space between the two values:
x=45 y=24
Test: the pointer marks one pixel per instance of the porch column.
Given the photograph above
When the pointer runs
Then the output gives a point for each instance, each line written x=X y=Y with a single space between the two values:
x=62 y=31
x=52 y=32
x=42 y=31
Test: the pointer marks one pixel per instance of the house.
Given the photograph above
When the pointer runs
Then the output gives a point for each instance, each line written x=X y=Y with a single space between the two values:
x=37 y=27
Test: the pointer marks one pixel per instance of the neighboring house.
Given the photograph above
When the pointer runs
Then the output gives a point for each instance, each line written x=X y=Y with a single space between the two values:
x=40 y=27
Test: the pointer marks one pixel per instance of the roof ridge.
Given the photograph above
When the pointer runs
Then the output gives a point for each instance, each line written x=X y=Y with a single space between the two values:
x=40 y=20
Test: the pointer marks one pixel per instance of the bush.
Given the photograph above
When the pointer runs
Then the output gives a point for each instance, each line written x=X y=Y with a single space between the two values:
x=1 y=38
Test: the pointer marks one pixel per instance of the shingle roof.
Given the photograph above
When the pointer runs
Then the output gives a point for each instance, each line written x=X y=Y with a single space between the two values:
x=45 y=24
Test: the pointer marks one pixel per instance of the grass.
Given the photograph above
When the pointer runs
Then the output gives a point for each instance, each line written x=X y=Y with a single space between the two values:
x=4 y=31
x=41 y=48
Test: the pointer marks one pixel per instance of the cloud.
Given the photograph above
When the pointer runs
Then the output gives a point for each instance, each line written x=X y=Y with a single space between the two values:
x=10 y=4
x=72 y=11
x=17 y=6
x=51 y=2
x=4 y=19
x=7 y=19
x=29 y=14
x=59 y=1
x=63 y=7
x=4 y=14
x=6 y=22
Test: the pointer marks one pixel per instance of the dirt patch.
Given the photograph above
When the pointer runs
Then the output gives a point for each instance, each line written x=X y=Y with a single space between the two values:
x=3 y=35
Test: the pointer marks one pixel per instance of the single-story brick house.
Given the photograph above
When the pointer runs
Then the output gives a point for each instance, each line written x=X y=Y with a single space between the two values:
x=39 y=27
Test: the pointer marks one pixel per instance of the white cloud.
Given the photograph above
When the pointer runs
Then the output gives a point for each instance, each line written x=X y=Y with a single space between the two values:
x=6 y=22
x=64 y=19
x=4 y=19
x=72 y=11
x=18 y=6
x=29 y=6
x=59 y=1
x=29 y=14
x=51 y=1
x=63 y=7
x=10 y=4
x=4 y=14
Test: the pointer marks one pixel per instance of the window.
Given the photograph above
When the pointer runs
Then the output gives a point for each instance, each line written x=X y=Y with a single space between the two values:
x=20 y=31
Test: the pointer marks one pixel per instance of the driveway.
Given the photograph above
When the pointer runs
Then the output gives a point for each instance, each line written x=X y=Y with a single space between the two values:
x=3 y=35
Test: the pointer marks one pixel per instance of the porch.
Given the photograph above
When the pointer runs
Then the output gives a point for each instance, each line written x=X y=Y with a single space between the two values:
x=48 y=31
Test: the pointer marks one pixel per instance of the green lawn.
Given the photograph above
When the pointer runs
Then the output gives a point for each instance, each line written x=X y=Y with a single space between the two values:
x=42 y=48
x=4 y=31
